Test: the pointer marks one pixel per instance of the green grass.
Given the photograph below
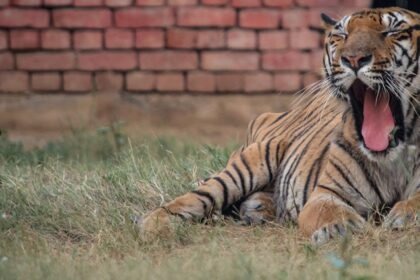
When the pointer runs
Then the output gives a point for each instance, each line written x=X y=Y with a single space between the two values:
x=65 y=213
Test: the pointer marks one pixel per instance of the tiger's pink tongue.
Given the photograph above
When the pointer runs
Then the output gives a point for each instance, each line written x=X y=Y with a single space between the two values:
x=378 y=121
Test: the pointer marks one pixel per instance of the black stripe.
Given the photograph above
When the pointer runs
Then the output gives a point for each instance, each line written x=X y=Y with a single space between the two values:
x=345 y=177
x=294 y=197
x=256 y=133
x=278 y=158
x=267 y=160
x=340 y=186
x=317 y=162
x=336 y=193
x=231 y=177
x=251 y=176
x=204 y=204
x=251 y=128
x=279 y=118
x=347 y=149
x=225 y=192
x=206 y=195
x=241 y=178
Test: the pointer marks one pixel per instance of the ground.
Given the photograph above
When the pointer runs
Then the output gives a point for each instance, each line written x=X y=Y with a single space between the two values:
x=66 y=209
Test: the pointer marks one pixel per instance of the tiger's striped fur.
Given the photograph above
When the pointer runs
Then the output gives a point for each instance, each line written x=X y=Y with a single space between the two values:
x=313 y=158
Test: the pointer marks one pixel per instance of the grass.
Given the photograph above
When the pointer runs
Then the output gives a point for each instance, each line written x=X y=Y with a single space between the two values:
x=65 y=214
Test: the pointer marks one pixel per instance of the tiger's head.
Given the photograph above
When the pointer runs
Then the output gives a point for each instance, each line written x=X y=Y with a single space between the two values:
x=371 y=61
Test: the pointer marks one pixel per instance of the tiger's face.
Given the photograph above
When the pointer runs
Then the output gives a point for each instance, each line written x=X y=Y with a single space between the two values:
x=371 y=61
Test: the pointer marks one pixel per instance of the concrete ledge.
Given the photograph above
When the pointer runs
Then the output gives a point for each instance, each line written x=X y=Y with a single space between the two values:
x=37 y=119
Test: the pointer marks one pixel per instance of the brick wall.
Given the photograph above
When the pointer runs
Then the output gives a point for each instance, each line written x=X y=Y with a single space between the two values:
x=197 y=46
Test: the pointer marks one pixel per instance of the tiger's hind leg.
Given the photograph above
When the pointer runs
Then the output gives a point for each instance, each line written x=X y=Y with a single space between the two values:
x=248 y=172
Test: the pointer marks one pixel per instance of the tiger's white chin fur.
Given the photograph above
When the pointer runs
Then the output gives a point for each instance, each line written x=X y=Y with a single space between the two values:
x=389 y=155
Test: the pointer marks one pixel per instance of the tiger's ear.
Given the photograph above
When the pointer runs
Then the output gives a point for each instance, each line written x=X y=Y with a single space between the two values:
x=328 y=22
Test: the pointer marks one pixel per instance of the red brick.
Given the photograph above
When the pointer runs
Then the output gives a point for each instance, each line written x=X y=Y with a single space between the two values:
x=259 y=19
x=214 y=2
x=304 y=39
x=108 y=60
x=58 y=2
x=362 y=3
x=309 y=79
x=26 y=2
x=77 y=18
x=318 y=3
x=200 y=16
x=316 y=61
x=182 y=2
x=287 y=82
x=168 y=60
x=141 y=81
x=224 y=60
x=201 y=82
x=77 y=81
x=150 y=39
x=241 y=39
x=46 y=81
x=229 y=82
x=23 y=18
x=14 y=81
x=170 y=82
x=6 y=61
x=87 y=40
x=357 y=3
x=118 y=3
x=296 y=18
x=55 y=39
x=3 y=40
x=287 y=60
x=273 y=40
x=246 y=3
x=119 y=39
x=150 y=2
x=87 y=3
x=181 y=38
x=258 y=82
x=210 y=39
x=108 y=81
x=279 y=3
x=46 y=61
x=144 y=17
x=24 y=39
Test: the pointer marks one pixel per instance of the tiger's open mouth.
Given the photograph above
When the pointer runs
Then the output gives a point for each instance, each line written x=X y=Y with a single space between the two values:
x=379 y=117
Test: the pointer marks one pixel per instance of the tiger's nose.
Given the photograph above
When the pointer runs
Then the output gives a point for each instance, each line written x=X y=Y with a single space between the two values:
x=356 y=62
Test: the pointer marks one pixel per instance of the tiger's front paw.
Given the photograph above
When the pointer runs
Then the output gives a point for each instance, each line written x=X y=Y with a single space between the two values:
x=154 y=225
x=331 y=231
x=403 y=214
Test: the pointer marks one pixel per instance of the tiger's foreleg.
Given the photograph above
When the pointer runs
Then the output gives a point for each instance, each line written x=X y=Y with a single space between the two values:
x=331 y=209
x=326 y=216
x=246 y=173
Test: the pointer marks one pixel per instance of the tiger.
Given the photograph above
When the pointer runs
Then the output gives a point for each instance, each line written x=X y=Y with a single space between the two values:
x=346 y=153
